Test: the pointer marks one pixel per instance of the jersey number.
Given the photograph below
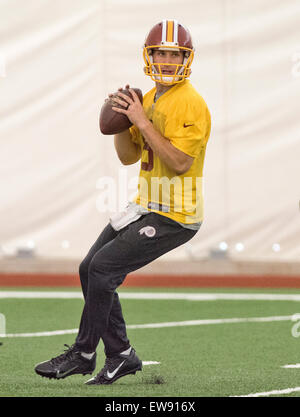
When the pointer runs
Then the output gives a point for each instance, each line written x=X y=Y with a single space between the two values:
x=148 y=166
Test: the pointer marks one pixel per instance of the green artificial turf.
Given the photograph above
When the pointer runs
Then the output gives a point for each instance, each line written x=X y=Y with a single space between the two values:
x=213 y=360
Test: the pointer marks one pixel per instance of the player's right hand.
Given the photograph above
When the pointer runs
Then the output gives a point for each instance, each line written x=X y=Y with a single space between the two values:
x=112 y=95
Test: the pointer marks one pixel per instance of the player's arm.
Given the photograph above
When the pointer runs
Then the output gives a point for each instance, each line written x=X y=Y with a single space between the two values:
x=175 y=159
x=127 y=151
x=163 y=148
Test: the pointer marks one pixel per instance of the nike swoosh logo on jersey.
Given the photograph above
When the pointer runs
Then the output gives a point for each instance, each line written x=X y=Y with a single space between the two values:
x=110 y=375
x=187 y=125
x=59 y=375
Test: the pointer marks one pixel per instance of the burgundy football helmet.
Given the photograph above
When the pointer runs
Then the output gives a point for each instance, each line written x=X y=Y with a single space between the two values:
x=168 y=35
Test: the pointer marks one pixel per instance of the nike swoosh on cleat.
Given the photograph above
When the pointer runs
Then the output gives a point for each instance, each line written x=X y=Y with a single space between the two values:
x=59 y=375
x=110 y=375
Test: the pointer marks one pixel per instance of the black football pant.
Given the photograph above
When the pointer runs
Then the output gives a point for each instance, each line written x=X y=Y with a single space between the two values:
x=110 y=259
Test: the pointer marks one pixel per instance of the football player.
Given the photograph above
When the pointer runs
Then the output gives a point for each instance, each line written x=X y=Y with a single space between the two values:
x=169 y=136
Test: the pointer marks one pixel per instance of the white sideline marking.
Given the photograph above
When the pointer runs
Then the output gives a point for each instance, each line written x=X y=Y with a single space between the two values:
x=297 y=365
x=210 y=296
x=40 y=294
x=267 y=393
x=160 y=325
x=157 y=296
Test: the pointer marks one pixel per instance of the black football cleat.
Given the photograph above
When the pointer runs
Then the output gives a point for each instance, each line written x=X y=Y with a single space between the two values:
x=68 y=363
x=116 y=367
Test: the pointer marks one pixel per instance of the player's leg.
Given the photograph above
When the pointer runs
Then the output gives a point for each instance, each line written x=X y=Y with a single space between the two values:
x=138 y=244
x=106 y=235
x=72 y=361
x=135 y=246
x=116 y=324
x=115 y=338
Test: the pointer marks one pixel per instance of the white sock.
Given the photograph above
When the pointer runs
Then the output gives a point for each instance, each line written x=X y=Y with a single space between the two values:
x=87 y=355
x=126 y=352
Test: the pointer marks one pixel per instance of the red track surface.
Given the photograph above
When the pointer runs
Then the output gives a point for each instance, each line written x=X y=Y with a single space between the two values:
x=140 y=280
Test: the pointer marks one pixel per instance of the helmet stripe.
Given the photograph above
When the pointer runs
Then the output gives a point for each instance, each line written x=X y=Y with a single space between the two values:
x=170 y=31
x=175 y=31
x=164 y=31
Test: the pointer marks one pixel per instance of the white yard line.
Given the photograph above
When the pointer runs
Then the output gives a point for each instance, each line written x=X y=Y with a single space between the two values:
x=40 y=334
x=150 y=363
x=164 y=324
x=297 y=365
x=209 y=321
x=268 y=393
x=157 y=295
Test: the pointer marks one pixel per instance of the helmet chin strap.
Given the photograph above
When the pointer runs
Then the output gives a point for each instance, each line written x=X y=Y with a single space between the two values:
x=160 y=78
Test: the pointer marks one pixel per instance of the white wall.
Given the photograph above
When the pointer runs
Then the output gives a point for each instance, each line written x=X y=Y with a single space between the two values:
x=58 y=61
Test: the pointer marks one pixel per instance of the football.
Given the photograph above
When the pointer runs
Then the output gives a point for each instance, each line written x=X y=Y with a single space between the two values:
x=112 y=122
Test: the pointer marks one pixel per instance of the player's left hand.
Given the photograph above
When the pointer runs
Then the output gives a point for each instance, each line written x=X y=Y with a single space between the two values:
x=132 y=107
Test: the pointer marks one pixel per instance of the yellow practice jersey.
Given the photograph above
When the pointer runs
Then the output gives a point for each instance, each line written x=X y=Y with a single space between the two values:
x=180 y=115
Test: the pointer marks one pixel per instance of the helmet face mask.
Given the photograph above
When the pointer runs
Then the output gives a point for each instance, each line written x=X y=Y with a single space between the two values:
x=179 y=71
x=168 y=35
